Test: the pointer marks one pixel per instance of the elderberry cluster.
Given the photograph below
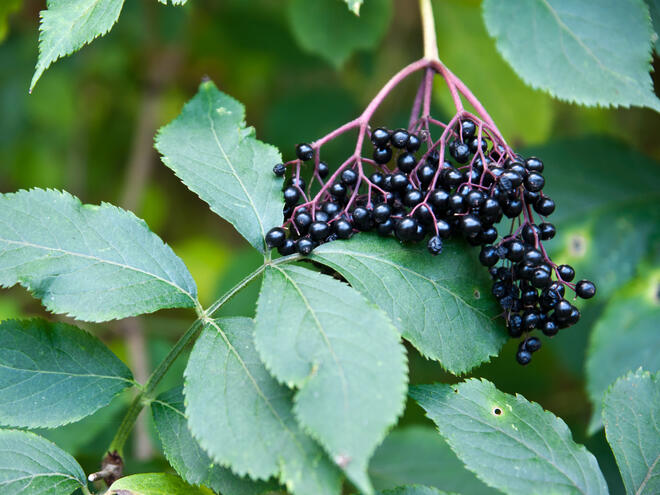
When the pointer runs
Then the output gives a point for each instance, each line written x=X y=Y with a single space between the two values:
x=417 y=195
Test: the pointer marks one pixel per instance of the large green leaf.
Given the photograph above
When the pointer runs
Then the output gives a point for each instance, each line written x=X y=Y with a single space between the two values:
x=217 y=157
x=583 y=52
x=612 y=223
x=414 y=490
x=442 y=304
x=343 y=354
x=94 y=263
x=243 y=418
x=31 y=465
x=326 y=28
x=418 y=455
x=155 y=484
x=68 y=25
x=624 y=338
x=631 y=413
x=53 y=373
x=522 y=114
x=510 y=443
x=187 y=457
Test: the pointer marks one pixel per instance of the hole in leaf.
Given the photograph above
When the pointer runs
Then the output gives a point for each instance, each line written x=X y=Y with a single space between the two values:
x=578 y=245
x=497 y=411
x=477 y=294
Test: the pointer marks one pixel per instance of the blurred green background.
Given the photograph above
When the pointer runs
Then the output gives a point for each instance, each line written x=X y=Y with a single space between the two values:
x=89 y=127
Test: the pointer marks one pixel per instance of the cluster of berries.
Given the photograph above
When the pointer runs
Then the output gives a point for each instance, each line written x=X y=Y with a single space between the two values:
x=462 y=186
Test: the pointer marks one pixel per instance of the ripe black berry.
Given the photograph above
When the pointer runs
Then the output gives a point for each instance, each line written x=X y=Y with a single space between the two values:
x=386 y=227
x=468 y=129
x=470 y=225
x=291 y=196
x=566 y=272
x=406 y=228
x=413 y=198
x=434 y=245
x=349 y=177
x=338 y=190
x=318 y=231
x=488 y=256
x=534 y=182
x=563 y=309
x=459 y=151
x=362 y=219
x=532 y=257
x=331 y=208
x=426 y=174
x=585 y=289
x=515 y=250
x=304 y=246
x=399 y=138
x=382 y=155
x=303 y=220
x=380 y=137
x=439 y=199
x=548 y=231
x=275 y=237
x=540 y=278
x=289 y=247
x=406 y=162
x=399 y=181
x=443 y=228
x=342 y=228
x=323 y=170
x=382 y=212
x=532 y=344
x=534 y=164
x=304 y=152
x=523 y=357
x=413 y=143
x=544 y=206
x=279 y=169
x=549 y=328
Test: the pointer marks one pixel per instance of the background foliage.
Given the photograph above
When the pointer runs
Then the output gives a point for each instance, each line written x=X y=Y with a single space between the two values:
x=89 y=125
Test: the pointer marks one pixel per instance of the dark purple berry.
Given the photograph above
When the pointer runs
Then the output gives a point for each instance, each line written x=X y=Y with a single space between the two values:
x=289 y=247
x=380 y=137
x=279 y=169
x=399 y=138
x=275 y=237
x=434 y=245
x=585 y=289
x=382 y=155
x=304 y=246
x=291 y=196
x=304 y=152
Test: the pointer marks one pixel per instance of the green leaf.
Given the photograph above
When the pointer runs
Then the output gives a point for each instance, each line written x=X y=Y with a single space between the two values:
x=475 y=60
x=591 y=54
x=340 y=33
x=624 y=338
x=243 y=418
x=510 y=443
x=414 y=490
x=631 y=413
x=613 y=223
x=68 y=25
x=354 y=5
x=94 y=263
x=187 y=457
x=344 y=356
x=155 y=484
x=209 y=148
x=441 y=304
x=418 y=455
x=53 y=374
x=31 y=465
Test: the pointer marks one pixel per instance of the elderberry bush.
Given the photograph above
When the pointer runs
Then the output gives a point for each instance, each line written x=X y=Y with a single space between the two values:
x=464 y=185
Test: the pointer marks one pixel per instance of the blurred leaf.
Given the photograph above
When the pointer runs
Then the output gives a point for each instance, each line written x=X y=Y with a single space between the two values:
x=187 y=457
x=591 y=54
x=173 y=2
x=8 y=7
x=217 y=157
x=343 y=354
x=326 y=28
x=624 y=338
x=68 y=25
x=207 y=260
x=437 y=303
x=414 y=490
x=243 y=418
x=31 y=465
x=418 y=455
x=155 y=484
x=606 y=216
x=53 y=374
x=522 y=114
x=509 y=442
x=94 y=263
x=9 y=308
x=631 y=413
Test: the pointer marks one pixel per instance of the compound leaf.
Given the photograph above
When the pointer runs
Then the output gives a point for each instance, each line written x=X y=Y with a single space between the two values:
x=319 y=335
x=591 y=54
x=243 y=418
x=94 y=263
x=437 y=302
x=510 y=443
x=341 y=33
x=418 y=455
x=631 y=413
x=68 y=25
x=155 y=484
x=187 y=457
x=54 y=373
x=31 y=465
x=624 y=338
x=209 y=148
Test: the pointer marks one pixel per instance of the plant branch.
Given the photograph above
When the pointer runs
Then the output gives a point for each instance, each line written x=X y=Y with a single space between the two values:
x=428 y=28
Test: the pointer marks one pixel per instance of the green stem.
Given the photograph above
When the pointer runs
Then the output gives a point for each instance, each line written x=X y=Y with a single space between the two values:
x=145 y=396
x=428 y=27
x=85 y=490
